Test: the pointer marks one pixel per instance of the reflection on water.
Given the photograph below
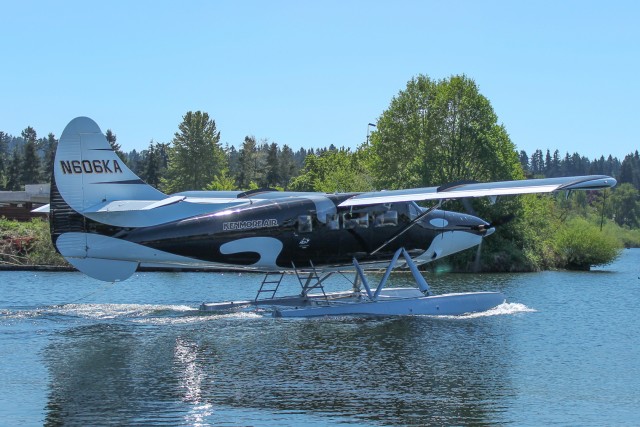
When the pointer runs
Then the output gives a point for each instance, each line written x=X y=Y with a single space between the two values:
x=409 y=370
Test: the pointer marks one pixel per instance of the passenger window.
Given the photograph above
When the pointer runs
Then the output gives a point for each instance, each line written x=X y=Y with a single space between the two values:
x=353 y=220
x=363 y=220
x=332 y=222
x=304 y=224
x=386 y=219
x=349 y=221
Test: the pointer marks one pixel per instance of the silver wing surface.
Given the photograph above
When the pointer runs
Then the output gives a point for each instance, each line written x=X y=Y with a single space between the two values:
x=498 y=188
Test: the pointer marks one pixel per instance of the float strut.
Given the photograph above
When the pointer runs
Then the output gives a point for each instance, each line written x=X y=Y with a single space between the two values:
x=373 y=296
x=422 y=284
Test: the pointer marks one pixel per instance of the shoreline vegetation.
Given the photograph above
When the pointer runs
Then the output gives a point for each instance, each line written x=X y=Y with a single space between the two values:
x=578 y=245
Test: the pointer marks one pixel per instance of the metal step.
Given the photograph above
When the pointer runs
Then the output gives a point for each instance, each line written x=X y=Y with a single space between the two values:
x=270 y=284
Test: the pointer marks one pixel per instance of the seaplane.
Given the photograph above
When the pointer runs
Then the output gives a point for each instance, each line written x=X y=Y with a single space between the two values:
x=107 y=223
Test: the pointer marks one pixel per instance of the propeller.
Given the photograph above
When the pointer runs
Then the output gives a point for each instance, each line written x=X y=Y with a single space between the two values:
x=504 y=219
x=476 y=261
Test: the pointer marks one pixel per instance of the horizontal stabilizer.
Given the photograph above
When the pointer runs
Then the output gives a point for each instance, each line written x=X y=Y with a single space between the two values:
x=108 y=270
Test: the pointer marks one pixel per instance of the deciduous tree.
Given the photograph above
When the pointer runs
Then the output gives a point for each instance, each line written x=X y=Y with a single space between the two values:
x=438 y=132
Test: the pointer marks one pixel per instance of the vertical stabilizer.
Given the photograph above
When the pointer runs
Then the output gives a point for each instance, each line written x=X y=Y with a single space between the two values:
x=87 y=171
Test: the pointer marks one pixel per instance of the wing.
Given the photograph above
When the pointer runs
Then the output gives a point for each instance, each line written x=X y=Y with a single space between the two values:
x=499 y=188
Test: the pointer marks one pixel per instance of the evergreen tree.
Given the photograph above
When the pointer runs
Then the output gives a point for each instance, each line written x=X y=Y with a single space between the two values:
x=626 y=172
x=30 y=173
x=272 y=177
x=232 y=157
x=547 y=164
x=150 y=166
x=613 y=166
x=287 y=166
x=111 y=139
x=567 y=166
x=4 y=143
x=133 y=159
x=537 y=163
x=247 y=162
x=524 y=161
x=555 y=163
x=196 y=156
x=13 y=172
x=49 y=147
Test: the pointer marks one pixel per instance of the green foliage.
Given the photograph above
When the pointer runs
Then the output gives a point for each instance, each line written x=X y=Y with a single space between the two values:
x=196 y=157
x=539 y=223
x=287 y=166
x=49 y=146
x=440 y=132
x=333 y=171
x=223 y=182
x=27 y=243
x=581 y=245
x=13 y=173
x=4 y=142
x=629 y=238
x=30 y=168
x=272 y=176
x=400 y=133
x=625 y=202
x=154 y=163
x=112 y=140
x=437 y=132
x=249 y=163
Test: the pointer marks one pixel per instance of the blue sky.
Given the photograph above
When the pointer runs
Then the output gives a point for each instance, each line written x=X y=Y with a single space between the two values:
x=559 y=74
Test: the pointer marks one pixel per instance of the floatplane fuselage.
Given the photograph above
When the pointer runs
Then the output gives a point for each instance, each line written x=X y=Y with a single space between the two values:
x=107 y=222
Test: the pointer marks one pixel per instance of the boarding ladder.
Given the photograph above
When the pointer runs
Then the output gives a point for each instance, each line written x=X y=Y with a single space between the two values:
x=270 y=284
x=309 y=280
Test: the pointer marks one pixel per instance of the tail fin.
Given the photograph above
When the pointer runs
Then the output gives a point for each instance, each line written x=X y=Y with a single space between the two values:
x=87 y=172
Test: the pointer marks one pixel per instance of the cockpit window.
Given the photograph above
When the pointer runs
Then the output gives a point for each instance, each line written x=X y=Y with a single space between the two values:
x=413 y=211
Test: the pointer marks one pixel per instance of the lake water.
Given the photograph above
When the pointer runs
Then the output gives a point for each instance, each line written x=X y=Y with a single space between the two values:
x=564 y=350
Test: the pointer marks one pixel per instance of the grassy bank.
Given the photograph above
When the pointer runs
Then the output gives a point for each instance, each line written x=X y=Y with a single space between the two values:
x=24 y=244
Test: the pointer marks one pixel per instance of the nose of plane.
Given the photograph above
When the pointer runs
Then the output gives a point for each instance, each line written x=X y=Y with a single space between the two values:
x=451 y=221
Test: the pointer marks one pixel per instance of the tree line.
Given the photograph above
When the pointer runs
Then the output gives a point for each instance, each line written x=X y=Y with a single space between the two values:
x=27 y=159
